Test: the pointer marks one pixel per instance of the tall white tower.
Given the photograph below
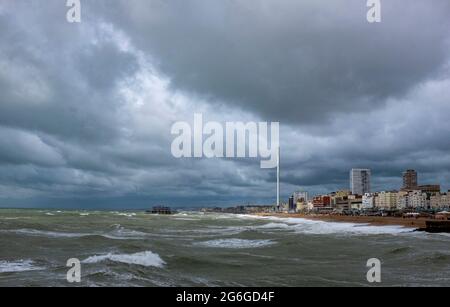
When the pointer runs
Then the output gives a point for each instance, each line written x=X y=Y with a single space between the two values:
x=278 y=178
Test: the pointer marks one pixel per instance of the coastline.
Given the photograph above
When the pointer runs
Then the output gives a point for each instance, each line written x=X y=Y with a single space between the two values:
x=371 y=220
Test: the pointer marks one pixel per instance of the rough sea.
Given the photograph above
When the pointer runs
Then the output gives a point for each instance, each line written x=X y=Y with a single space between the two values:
x=123 y=249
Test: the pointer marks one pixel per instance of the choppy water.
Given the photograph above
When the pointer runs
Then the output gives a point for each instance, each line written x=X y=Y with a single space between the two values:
x=194 y=249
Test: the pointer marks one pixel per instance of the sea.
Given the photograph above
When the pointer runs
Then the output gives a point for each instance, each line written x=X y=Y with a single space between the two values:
x=135 y=249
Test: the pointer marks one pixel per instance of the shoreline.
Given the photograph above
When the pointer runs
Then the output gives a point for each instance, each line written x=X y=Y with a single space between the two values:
x=414 y=223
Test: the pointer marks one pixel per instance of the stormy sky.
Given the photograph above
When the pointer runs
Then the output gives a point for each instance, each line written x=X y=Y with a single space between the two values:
x=86 y=108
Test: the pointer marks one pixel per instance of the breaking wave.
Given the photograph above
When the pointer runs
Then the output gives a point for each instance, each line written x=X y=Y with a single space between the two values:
x=305 y=226
x=147 y=259
x=125 y=214
x=118 y=233
x=121 y=233
x=18 y=266
x=236 y=243
x=42 y=233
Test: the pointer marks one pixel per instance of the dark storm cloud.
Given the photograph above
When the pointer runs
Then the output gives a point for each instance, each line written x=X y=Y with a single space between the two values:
x=56 y=79
x=407 y=133
x=287 y=60
x=86 y=110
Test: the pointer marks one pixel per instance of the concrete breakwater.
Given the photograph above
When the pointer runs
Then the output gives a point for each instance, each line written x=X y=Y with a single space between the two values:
x=437 y=227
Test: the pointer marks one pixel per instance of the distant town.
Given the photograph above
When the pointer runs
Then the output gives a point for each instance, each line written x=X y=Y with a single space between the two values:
x=411 y=199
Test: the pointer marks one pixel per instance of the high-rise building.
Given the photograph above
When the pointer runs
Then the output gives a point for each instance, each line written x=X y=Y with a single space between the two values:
x=301 y=197
x=360 y=181
x=409 y=179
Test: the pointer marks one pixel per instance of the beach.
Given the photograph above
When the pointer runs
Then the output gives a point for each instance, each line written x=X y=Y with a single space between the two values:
x=415 y=223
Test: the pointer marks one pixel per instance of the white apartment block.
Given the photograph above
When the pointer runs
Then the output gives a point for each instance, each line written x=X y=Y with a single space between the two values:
x=418 y=200
x=440 y=201
x=368 y=201
x=386 y=200
x=402 y=200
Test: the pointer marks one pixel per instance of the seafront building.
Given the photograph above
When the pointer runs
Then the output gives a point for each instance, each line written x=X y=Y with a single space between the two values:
x=440 y=200
x=386 y=200
x=343 y=193
x=292 y=204
x=411 y=197
x=403 y=200
x=360 y=181
x=301 y=201
x=355 y=202
x=322 y=203
x=342 y=204
x=368 y=201
x=418 y=200
x=301 y=197
x=303 y=206
x=409 y=179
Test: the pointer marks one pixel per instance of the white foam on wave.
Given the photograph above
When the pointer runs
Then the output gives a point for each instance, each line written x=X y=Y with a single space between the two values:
x=236 y=243
x=43 y=233
x=216 y=216
x=18 y=266
x=126 y=214
x=305 y=226
x=273 y=226
x=182 y=214
x=213 y=231
x=119 y=233
x=147 y=259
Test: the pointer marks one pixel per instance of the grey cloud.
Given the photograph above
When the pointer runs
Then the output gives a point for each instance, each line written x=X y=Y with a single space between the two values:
x=85 y=121
x=102 y=66
x=295 y=61
x=19 y=147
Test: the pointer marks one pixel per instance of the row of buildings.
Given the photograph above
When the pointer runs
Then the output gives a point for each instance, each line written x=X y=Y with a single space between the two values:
x=411 y=197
